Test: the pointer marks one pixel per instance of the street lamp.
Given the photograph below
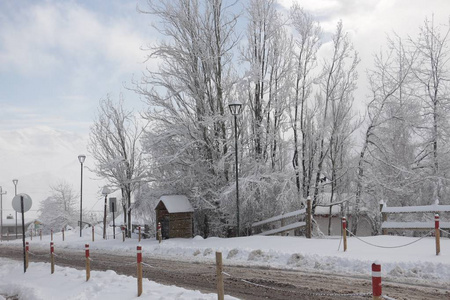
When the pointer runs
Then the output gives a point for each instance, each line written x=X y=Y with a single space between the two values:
x=105 y=192
x=15 y=181
x=81 y=159
x=235 y=109
x=1 y=212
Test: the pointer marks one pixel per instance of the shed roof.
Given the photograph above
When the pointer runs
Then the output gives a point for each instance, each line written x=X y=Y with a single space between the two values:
x=176 y=203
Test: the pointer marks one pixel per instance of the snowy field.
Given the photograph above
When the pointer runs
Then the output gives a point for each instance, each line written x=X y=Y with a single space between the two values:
x=414 y=263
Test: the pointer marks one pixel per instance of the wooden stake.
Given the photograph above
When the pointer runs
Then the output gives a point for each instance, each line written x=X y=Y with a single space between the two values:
x=123 y=235
x=344 y=232
x=31 y=234
x=40 y=233
x=159 y=232
x=52 y=258
x=88 y=262
x=139 y=270
x=51 y=235
x=437 y=234
x=63 y=234
x=376 y=282
x=93 y=233
x=219 y=272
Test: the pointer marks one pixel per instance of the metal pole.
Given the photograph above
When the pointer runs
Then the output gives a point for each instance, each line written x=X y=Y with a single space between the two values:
x=23 y=235
x=104 y=219
x=114 y=219
x=15 y=194
x=237 y=176
x=1 y=213
x=81 y=202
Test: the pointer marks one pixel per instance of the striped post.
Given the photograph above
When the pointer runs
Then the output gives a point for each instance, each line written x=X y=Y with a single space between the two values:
x=62 y=234
x=52 y=258
x=31 y=234
x=344 y=232
x=139 y=270
x=40 y=233
x=139 y=233
x=27 y=248
x=51 y=235
x=159 y=232
x=88 y=262
x=376 y=282
x=93 y=233
x=437 y=234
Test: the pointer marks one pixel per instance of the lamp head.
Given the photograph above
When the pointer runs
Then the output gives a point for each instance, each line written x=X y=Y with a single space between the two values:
x=105 y=190
x=235 y=108
x=81 y=158
x=15 y=181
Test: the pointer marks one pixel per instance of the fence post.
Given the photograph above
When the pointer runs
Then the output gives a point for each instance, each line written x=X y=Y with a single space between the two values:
x=344 y=232
x=88 y=262
x=93 y=233
x=123 y=234
x=159 y=232
x=51 y=235
x=40 y=233
x=308 y=217
x=219 y=270
x=52 y=258
x=63 y=234
x=437 y=234
x=31 y=234
x=139 y=234
x=27 y=248
x=139 y=270
x=376 y=281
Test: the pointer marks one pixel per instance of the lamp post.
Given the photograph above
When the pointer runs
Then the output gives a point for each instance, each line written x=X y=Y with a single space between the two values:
x=235 y=109
x=105 y=192
x=15 y=181
x=81 y=159
x=1 y=212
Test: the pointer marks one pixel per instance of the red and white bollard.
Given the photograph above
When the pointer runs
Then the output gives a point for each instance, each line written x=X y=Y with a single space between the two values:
x=27 y=248
x=159 y=232
x=88 y=262
x=139 y=269
x=376 y=281
x=52 y=258
x=437 y=234
x=344 y=232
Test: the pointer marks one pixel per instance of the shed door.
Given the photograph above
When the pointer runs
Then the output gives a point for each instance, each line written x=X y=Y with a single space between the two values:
x=165 y=227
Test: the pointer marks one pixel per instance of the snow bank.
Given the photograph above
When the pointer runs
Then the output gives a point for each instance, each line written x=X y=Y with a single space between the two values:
x=67 y=283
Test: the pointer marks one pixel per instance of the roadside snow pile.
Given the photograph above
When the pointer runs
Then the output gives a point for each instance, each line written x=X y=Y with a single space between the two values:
x=68 y=283
x=416 y=262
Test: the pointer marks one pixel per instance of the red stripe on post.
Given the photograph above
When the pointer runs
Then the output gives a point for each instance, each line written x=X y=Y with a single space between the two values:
x=27 y=247
x=436 y=221
x=344 y=223
x=86 y=247
x=51 y=247
x=139 y=254
x=376 y=280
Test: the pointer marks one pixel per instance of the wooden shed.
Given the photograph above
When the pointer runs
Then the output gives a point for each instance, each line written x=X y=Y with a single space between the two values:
x=175 y=213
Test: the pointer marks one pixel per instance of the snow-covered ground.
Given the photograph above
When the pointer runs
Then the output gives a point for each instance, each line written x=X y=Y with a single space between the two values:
x=416 y=262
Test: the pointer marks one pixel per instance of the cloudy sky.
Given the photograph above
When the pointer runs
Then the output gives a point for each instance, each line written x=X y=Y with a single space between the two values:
x=59 y=58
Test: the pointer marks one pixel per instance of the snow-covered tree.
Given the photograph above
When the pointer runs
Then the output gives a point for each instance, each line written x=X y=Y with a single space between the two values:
x=59 y=209
x=115 y=147
x=187 y=138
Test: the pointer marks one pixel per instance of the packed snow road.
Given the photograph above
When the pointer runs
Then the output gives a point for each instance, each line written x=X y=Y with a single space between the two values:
x=242 y=282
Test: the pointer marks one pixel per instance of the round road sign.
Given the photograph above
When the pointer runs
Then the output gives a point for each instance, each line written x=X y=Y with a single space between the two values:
x=26 y=203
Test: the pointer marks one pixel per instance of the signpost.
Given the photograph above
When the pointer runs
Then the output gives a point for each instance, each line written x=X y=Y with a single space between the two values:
x=22 y=203
x=112 y=208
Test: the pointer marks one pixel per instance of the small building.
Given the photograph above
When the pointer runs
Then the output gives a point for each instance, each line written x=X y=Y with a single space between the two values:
x=8 y=228
x=175 y=213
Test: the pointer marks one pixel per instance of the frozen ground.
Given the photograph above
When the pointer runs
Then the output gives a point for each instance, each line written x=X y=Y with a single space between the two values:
x=416 y=262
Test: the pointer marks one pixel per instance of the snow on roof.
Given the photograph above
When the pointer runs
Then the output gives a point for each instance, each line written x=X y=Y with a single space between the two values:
x=176 y=203
x=12 y=222
x=410 y=209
